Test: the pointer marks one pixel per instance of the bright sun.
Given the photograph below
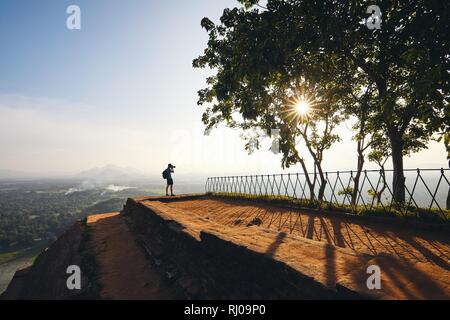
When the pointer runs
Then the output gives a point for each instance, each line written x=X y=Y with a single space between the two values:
x=302 y=107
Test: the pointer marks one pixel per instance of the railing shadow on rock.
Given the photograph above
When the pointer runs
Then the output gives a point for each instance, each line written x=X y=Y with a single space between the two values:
x=427 y=190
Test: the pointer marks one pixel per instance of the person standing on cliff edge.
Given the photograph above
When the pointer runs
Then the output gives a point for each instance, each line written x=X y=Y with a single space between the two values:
x=167 y=174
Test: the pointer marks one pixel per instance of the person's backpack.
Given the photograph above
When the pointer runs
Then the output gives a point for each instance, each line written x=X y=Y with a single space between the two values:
x=164 y=174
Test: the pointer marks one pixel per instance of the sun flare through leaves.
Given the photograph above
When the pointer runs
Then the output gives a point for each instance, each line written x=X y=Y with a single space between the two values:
x=300 y=108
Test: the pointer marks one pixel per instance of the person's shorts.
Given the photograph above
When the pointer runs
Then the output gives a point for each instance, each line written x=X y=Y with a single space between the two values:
x=170 y=182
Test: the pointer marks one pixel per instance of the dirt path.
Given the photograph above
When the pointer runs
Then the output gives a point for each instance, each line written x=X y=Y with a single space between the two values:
x=125 y=273
x=366 y=237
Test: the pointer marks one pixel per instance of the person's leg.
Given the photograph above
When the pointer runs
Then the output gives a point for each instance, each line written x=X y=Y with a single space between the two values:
x=167 y=190
x=171 y=187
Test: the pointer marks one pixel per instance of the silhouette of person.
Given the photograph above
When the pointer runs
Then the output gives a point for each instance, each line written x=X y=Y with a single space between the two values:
x=168 y=174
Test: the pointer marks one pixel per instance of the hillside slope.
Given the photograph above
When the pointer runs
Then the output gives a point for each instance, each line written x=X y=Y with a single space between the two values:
x=46 y=278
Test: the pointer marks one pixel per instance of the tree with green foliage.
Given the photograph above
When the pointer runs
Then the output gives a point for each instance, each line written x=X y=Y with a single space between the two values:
x=246 y=97
x=258 y=54
x=358 y=100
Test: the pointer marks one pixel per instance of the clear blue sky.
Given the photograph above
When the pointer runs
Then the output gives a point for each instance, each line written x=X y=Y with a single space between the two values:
x=121 y=90
x=142 y=46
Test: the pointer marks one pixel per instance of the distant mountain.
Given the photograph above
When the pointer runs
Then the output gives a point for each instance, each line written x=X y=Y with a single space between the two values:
x=110 y=173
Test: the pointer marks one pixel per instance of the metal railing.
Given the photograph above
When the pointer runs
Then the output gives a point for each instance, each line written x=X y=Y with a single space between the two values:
x=426 y=190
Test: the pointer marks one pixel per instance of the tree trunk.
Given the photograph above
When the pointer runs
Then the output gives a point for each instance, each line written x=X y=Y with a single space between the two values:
x=398 y=183
x=323 y=183
x=380 y=193
x=308 y=180
x=359 y=168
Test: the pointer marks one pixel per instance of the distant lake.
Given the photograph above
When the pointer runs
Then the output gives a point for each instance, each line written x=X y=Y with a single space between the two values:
x=8 y=269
